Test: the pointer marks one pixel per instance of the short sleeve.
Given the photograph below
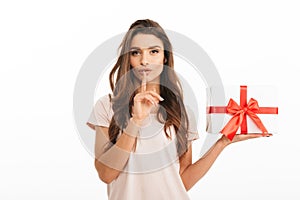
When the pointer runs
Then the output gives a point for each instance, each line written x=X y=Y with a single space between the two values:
x=193 y=128
x=101 y=114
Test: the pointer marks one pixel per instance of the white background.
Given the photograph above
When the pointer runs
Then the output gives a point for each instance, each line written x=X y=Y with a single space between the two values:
x=44 y=43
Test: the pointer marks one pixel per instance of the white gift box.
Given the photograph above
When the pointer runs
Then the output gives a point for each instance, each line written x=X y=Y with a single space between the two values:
x=249 y=101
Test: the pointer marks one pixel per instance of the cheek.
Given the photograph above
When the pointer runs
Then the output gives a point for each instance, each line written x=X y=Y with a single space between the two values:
x=133 y=62
x=158 y=69
x=161 y=69
x=159 y=60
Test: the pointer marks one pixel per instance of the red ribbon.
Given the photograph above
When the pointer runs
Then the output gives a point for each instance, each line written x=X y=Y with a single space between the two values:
x=240 y=112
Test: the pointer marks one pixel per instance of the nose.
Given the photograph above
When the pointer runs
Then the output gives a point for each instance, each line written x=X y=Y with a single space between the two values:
x=144 y=59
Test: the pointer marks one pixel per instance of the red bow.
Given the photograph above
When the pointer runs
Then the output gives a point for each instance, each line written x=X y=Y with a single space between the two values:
x=239 y=118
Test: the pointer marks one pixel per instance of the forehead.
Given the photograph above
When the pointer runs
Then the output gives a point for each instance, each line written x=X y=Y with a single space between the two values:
x=145 y=41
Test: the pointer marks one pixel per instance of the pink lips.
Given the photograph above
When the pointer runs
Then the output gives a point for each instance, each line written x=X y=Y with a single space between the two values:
x=147 y=71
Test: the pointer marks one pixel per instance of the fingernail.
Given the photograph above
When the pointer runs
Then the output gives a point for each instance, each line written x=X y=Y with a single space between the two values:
x=160 y=98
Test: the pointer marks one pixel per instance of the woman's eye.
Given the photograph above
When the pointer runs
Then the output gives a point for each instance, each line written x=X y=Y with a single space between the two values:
x=134 y=53
x=154 y=51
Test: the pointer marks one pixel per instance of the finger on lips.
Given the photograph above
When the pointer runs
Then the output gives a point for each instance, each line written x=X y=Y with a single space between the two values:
x=144 y=89
x=144 y=82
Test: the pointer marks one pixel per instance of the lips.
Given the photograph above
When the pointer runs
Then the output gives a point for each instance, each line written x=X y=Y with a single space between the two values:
x=144 y=70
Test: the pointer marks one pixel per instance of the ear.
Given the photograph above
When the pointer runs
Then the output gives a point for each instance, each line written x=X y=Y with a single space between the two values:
x=165 y=60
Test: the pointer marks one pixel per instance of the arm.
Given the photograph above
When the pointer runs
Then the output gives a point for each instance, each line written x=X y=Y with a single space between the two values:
x=192 y=173
x=110 y=163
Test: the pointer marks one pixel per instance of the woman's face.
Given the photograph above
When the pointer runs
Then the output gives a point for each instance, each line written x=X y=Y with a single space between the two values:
x=147 y=57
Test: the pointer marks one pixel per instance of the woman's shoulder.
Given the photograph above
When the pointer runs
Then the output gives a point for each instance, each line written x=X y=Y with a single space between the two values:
x=104 y=104
x=104 y=100
x=102 y=113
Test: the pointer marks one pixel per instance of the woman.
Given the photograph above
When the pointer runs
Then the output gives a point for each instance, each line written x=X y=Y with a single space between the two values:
x=143 y=146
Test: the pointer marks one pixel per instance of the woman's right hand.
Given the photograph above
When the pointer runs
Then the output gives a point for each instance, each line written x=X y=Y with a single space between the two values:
x=143 y=102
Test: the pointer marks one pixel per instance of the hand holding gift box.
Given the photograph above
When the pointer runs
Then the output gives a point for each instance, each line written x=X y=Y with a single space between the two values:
x=245 y=117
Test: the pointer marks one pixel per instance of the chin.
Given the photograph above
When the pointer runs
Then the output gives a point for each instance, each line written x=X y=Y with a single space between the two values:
x=153 y=79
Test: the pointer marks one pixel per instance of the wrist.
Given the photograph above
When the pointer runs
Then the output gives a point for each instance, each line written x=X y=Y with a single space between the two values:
x=140 y=121
x=224 y=141
x=137 y=121
x=132 y=129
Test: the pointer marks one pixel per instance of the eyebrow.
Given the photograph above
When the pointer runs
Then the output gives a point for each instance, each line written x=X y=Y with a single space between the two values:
x=151 y=47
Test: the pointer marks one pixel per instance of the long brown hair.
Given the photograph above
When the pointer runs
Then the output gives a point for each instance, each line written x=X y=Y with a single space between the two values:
x=124 y=87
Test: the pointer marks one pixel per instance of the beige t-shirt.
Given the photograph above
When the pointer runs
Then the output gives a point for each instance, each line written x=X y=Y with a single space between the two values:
x=152 y=171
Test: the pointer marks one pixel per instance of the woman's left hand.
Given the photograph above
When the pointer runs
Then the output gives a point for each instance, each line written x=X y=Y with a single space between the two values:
x=242 y=137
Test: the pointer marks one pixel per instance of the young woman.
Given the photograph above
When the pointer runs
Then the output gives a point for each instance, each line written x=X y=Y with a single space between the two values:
x=143 y=146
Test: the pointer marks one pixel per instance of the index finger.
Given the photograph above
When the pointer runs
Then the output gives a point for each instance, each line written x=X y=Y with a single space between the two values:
x=144 y=82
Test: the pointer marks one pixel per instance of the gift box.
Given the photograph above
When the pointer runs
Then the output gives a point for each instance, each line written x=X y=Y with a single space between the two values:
x=242 y=109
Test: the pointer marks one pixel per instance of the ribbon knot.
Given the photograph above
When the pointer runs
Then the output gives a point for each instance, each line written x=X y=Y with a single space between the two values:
x=239 y=119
